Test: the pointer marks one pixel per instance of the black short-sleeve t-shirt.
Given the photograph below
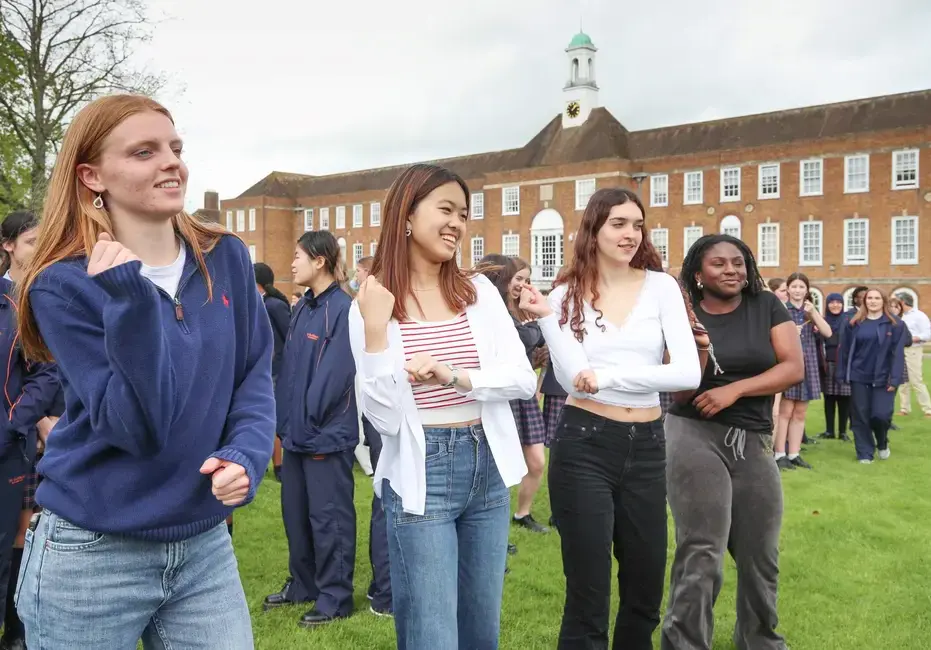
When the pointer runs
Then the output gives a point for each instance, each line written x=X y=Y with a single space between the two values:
x=743 y=349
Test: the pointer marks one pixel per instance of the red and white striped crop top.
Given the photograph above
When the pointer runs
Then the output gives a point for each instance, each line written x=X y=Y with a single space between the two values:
x=448 y=342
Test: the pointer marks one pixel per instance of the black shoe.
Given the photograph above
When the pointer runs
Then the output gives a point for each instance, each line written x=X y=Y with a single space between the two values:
x=512 y=549
x=277 y=471
x=313 y=618
x=843 y=437
x=12 y=644
x=893 y=427
x=798 y=461
x=827 y=435
x=279 y=599
x=507 y=570
x=552 y=521
x=528 y=522
x=784 y=463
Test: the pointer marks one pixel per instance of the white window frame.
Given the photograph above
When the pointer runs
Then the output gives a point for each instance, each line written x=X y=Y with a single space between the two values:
x=663 y=248
x=802 y=226
x=229 y=220
x=734 y=218
x=510 y=196
x=817 y=299
x=773 y=195
x=700 y=190
x=537 y=240
x=341 y=217
x=510 y=238
x=848 y=298
x=690 y=232
x=895 y=223
x=761 y=259
x=584 y=188
x=724 y=172
x=910 y=292
x=659 y=190
x=481 y=242
x=851 y=260
x=373 y=248
x=817 y=163
x=240 y=220
x=251 y=219
x=252 y=252
x=910 y=184
x=374 y=213
x=358 y=252
x=308 y=219
x=477 y=206
x=358 y=215
x=324 y=218
x=848 y=188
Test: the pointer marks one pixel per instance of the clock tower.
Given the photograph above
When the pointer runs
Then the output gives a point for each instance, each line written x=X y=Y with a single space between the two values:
x=580 y=94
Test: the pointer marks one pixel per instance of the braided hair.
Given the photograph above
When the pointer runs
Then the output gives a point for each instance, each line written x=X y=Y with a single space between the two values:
x=691 y=266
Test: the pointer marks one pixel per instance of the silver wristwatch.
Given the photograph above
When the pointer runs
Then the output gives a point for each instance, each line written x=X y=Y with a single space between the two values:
x=454 y=380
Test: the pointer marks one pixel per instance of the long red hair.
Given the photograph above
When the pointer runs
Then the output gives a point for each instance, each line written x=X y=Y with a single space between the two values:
x=581 y=275
x=71 y=224
x=392 y=264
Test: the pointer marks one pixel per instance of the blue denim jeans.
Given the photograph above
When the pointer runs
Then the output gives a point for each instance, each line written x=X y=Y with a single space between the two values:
x=447 y=565
x=81 y=590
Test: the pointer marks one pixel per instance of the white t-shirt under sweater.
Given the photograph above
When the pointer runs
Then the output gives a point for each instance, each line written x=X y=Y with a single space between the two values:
x=627 y=358
x=168 y=277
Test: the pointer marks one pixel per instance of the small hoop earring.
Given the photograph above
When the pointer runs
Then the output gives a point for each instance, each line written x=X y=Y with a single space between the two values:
x=746 y=283
x=98 y=202
x=407 y=232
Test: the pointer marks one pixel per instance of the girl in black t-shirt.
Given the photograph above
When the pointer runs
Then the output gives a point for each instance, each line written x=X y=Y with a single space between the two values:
x=723 y=486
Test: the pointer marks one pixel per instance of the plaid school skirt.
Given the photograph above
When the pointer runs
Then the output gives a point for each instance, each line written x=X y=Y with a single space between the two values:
x=31 y=483
x=529 y=420
x=552 y=410
x=809 y=388
x=831 y=385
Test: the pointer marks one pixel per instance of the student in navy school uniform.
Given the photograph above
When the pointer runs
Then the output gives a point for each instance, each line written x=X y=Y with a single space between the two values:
x=29 y=401
x=164 y=353
x=319 y=429
x=279 y=313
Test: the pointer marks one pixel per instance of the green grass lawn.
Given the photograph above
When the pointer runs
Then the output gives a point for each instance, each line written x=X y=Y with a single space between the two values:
x=855 y=567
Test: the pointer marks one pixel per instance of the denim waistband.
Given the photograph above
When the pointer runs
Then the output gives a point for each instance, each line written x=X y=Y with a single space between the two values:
x=452 y=434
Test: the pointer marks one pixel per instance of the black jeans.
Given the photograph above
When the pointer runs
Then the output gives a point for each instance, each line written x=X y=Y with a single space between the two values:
x=607 y=483
x=841 y=403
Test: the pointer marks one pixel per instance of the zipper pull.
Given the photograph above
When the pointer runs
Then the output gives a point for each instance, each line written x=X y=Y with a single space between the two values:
x=179 y=310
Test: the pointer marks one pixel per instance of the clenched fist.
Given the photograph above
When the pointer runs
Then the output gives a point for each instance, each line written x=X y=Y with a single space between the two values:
x=376 y=304
x=107 y=254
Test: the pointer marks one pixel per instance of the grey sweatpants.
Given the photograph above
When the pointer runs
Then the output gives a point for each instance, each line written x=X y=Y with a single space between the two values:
x=725 y=494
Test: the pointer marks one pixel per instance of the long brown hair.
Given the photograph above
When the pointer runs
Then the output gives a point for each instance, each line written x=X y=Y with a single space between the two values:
x=863 y=312
x=392 y=266
x=70 y=223
x=581 y=275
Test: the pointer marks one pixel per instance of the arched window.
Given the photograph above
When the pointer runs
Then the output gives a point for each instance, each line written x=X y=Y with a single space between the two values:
x=908 y=291
x=342 y=249
x=848 y=298
x=575 y=70
x=730 y=225
x=591 y=68
x=817 y=298
x=546 y=245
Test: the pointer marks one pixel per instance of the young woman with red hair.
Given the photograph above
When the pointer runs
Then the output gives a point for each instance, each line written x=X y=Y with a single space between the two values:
x=608 y=322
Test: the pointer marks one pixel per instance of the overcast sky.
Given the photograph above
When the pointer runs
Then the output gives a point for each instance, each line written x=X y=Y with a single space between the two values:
x=319 y=87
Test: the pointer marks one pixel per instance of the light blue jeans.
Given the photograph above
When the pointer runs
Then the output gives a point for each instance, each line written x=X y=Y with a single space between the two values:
x=80 y=590
x=447 y=565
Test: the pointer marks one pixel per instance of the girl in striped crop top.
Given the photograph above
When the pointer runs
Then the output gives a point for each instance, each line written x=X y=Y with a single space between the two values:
x=438 y=360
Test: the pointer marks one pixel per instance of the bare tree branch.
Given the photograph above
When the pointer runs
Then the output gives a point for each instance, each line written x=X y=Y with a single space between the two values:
x=65 y=53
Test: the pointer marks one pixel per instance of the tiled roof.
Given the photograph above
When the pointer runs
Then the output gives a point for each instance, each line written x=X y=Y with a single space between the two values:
x=602 y=136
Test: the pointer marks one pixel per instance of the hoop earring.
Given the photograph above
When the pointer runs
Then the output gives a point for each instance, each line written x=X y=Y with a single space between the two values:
x=98 y=202
x=746 y=283
x=407 y=232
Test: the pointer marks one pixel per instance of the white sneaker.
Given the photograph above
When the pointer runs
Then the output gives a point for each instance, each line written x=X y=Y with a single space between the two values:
x=884 y=454
x=866 y=461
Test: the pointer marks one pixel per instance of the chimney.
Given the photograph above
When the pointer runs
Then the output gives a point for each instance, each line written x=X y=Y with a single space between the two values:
x=211 y=200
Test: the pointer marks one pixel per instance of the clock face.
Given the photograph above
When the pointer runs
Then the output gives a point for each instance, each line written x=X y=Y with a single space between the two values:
x=573 y=109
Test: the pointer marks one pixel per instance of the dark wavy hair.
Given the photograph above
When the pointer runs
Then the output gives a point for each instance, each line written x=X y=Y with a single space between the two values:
x=691 y=266
x=265 y=278
x=581 y=275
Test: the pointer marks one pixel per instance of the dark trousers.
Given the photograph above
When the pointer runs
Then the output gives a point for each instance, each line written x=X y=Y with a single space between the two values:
x=870 y=415
x=13 y=469
x=380 y=588
x=320 y=523
x=607 y=483
x=840 y=404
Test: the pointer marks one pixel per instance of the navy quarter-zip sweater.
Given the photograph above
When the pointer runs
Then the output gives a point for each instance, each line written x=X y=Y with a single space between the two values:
x=315 y=393
x=872 y=352
x=29 y=389
x=154 y=385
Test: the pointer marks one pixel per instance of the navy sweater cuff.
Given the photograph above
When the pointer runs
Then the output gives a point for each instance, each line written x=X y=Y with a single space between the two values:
x=124 y=280
x=231 y=455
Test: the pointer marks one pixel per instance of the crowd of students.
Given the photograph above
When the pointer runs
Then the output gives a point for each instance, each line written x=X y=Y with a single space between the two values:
x=160 y=371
